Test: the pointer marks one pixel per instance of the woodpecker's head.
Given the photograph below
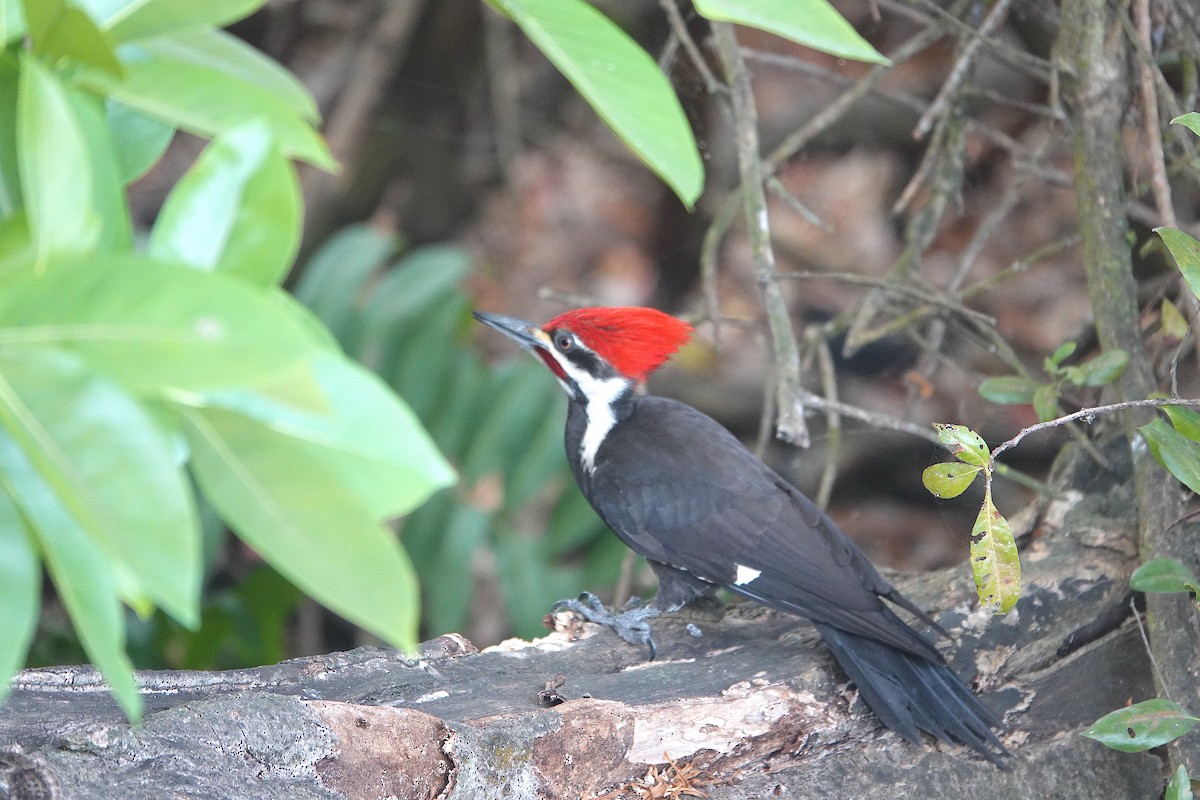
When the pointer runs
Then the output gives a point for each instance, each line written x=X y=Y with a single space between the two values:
x=598 y=352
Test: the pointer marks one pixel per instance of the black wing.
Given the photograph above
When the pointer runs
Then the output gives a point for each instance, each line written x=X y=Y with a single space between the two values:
x=681 y=490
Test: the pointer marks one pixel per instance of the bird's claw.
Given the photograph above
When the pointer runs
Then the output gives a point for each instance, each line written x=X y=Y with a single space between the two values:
x=630 y=625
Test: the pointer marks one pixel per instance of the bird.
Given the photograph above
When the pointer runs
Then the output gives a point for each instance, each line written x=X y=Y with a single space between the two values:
x=680 y=490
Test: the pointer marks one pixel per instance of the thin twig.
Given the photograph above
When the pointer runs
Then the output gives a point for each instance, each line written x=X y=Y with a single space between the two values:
x=1150 y=125
x=962 y=65
x=1021 y=59
x=679 y=31
x=1158 y=678
x=789 y=413
x=833 y=424
x=1088 y=414
x=779 y=190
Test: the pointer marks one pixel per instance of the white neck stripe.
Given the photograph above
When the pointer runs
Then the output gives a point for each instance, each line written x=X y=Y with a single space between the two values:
x=601 y=395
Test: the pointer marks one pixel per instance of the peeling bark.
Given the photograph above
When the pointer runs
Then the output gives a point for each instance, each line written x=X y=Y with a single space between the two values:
x=753 y=708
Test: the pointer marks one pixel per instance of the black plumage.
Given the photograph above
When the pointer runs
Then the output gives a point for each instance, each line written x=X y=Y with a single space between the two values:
x=683 y=492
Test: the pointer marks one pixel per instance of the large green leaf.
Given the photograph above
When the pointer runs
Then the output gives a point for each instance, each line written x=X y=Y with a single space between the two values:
x=56 y=171
x=369 y=437
x=59 y=30
x=204 y=99
x=82 y=575
x=108 y=186
x=20 y=588
x=205 y=47
x=111 y=469
x=138 y=20
x=295 y=510
x=237 y=210
x=154 y=326
x=620 y=81
x=139 y=140
x=813 y=23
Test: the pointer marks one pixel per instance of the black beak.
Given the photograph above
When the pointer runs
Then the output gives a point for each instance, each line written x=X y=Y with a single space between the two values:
x=518 y=330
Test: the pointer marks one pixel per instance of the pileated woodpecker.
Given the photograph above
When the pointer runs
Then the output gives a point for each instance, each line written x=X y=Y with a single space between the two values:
x=681 y=491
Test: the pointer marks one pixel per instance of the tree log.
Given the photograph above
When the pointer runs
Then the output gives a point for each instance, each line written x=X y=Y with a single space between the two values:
x=755 y=707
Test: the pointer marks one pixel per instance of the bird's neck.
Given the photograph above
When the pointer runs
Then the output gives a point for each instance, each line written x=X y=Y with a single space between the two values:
x=593 y=415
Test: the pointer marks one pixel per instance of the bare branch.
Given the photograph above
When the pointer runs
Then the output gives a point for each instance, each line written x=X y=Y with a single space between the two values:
x=1087 y=414
x=962 y=65
x=789 y=413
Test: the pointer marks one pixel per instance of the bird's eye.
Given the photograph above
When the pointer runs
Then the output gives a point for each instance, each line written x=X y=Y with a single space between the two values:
x=564 y=342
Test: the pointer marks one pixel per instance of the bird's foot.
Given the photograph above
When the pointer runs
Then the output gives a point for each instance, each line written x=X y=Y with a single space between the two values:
x=630 y=624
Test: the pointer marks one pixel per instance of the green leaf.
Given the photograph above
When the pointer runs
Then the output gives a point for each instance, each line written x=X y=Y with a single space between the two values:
x=1045 y=402
x=1190 y=120
x=447 y=586
x=1009 y=390
x=812 y=23
x=369 y=437
x=1063 y=352
x=963 y=443
x=12 y=21
x=949 y=479
x=620 y=81
x=994 y=560
x=111 y=469
x=153 y=17
x=1186 y=252
x=139 y=140
x=1180 y=785
x=1180 y=455
x=10 y=180
x=1099 y=371
x=297 y=513
x=108 y=187
x=204 y=99
x=81 y=574
x=54 y=165
x=237 y=210
x=20 y=589
x=154 y=326
x=225 y=53
x=1142 y=726
x=1164 y=575
x=1186 y=421
x=1174 y=325
x=332 y=281
x=60 y=30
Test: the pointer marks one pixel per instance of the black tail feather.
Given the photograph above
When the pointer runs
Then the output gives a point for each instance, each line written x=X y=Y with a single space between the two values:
x=909 y=693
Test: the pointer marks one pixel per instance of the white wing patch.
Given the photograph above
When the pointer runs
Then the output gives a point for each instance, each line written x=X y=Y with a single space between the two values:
x=745 y=575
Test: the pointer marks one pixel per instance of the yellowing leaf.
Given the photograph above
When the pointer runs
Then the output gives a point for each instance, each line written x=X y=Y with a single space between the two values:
x=965 y=444
x=994 y=560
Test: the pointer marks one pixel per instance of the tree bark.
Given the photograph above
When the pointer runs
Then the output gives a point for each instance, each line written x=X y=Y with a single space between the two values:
x=1093 y=53
x=753 y=708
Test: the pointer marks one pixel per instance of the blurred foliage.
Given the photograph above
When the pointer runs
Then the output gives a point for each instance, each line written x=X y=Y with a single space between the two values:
x=516 y=516
x=130 y=376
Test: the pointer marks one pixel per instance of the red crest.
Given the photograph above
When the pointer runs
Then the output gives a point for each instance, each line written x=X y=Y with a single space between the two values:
x=636 y=341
